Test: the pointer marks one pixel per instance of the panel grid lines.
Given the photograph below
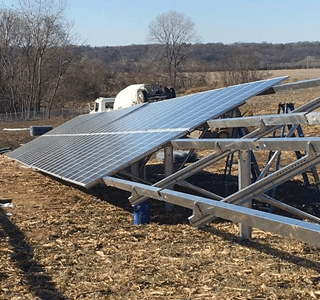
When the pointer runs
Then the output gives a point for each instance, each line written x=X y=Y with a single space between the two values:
x=89 y=147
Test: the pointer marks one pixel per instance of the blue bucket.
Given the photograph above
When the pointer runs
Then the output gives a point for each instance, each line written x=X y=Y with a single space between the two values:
x=141 y=214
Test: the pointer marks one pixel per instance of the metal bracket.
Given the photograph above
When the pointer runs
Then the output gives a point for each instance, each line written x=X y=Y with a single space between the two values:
x=134 y=195
x=311 y=152
x=200 y=215
x=217 y=147
x=262 y=124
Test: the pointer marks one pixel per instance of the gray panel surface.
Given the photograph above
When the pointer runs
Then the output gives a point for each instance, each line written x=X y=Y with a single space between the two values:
x=89 y=147
x=91 y=122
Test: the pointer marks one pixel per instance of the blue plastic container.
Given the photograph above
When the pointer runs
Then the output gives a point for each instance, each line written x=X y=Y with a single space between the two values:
x=141 y=214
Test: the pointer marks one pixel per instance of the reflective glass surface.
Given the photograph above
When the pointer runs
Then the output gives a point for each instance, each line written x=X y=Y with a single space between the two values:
x=89 y=147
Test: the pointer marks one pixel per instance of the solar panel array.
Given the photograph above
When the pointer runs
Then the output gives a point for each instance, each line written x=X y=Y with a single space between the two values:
x=92 y=146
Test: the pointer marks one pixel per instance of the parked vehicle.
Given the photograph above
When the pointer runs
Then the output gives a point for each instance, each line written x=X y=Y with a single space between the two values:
x=103 y=104
x=141 y=93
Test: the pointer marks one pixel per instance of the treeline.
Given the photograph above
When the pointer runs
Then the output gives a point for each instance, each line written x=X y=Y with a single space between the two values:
x=267 y=56
x=211 y=57
x=106 y=70
x=41 y=69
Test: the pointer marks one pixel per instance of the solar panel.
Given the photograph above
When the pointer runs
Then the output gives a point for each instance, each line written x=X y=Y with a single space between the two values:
x=80 y=125
x=89 y=147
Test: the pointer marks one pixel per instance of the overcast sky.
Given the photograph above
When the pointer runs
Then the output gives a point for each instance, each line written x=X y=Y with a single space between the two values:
x=125 y=22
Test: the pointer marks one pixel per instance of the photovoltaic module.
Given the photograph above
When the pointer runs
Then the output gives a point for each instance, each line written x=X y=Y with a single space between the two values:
x=89 y=147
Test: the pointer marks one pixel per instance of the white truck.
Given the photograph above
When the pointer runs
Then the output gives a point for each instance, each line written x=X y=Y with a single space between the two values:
x=141 y=93
x=102 y=105
x=133 y=95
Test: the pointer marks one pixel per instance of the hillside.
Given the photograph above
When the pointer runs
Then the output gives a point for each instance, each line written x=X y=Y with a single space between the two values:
x=209 y=57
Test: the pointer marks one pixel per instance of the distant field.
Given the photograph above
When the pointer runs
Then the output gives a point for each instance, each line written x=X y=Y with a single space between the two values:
x=213 y=78
x=297 y=74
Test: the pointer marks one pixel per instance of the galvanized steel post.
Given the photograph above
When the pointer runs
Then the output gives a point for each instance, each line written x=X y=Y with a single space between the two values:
x=244 y=179
x=168 y=170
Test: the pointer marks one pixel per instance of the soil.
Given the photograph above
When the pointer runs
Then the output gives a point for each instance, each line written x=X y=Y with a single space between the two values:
x=58 y=241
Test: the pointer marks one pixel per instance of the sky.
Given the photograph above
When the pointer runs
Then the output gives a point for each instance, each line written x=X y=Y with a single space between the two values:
x=125 y=22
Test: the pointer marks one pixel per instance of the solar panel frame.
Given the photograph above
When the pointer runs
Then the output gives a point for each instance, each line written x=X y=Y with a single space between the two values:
x=77 y=166
x=89 y=147
x=92 y=121
x=198 y=105
x=78 y=125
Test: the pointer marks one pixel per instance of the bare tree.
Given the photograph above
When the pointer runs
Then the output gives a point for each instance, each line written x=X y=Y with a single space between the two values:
x=241 y=66
x=34 y=53
x=9 y=63
x=173 y=31
x=49 y=34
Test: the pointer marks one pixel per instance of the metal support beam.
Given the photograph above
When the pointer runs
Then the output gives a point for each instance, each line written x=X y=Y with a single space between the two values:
x=282 y=175
x=135 y=170
x=291 y=86
x=224 y=148
x=244 y=164
x=168 y=161
x=283 y=144
x=264 y=130
x=168 y=170
x=263 y=120
x=204 y=192
x=285 y=207
x=292 y=228
x=138 y=189
x=267 y=167
x=270 y=123
x=185 y=173
x=296 y=229
x=303 y=84
x=275 y=179
x=210 y=159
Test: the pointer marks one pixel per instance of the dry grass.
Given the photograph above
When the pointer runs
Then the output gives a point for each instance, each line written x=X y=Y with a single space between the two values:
x=64 y=243
x=295 y=75
x=61 y=242
x=213 y=78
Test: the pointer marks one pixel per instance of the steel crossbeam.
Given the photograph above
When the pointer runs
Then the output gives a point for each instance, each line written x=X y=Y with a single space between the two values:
x=267 y=120
x=205 y=209
x=184 y=173
x=298 y=116
x=267 y=183
x=262 y=120
x=255 y=190
x=283 y=144
x=276 y=203
x=264 y=130
x=296 y=229
x=202 y=163
x=292 y=86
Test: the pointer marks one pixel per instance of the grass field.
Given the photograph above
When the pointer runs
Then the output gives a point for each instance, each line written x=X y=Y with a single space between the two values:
x=58 y=241
x=213 y=78
x=297 y=74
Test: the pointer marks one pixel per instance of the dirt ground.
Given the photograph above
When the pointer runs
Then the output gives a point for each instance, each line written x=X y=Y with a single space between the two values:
x=58 y=241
